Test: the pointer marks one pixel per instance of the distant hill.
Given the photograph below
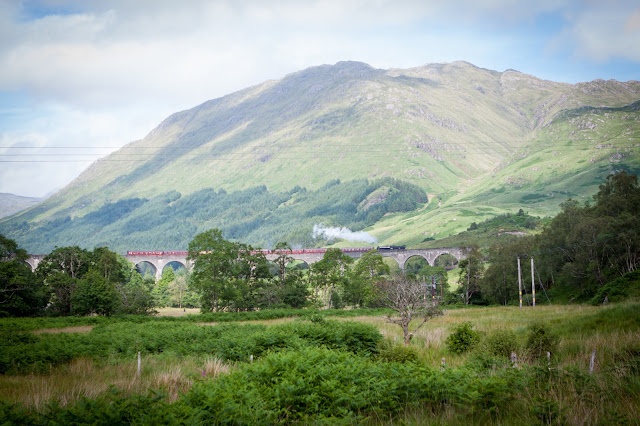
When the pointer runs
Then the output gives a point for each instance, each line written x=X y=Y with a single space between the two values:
x=478 y=143
x=11 y=204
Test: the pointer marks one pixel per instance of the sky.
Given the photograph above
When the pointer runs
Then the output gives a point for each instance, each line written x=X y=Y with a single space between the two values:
x=82 y=78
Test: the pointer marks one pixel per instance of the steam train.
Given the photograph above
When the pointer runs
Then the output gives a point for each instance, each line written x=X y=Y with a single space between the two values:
x=265 y=252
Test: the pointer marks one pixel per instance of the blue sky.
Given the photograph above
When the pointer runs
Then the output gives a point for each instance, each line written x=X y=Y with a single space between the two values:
x=79 y=78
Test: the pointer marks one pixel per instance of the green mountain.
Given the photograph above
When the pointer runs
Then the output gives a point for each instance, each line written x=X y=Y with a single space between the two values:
x=349 y=146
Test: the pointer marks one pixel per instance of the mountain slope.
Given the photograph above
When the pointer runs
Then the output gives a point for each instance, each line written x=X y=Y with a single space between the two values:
x=11 y=204
x=482 y=142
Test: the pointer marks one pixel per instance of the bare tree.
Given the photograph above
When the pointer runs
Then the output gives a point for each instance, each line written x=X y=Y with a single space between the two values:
x=409 y=300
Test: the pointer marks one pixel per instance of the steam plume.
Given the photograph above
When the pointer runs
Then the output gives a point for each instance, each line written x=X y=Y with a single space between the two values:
x=343 y=233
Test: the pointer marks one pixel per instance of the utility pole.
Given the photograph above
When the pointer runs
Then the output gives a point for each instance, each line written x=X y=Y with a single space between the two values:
x=519 y=282
x=433 y=290
x=533 y=284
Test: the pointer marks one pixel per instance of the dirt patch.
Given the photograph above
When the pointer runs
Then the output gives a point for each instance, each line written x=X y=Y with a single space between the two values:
x=76 y=329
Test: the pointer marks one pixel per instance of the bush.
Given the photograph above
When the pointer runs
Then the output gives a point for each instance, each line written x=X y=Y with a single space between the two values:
x=463 y=338
x=501 y=343
x=397 y=353
x=618 y=289
x=540 y=340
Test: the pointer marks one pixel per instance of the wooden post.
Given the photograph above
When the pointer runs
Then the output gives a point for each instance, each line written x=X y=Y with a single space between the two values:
x=139 y=363
x=514 y=360
x=593 y=361
x=549 y=361
x=251 y=359
x=519 y=283
x=443 y=364
x=533 y=284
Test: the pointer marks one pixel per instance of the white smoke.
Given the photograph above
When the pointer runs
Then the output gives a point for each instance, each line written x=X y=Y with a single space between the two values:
x=330 y=233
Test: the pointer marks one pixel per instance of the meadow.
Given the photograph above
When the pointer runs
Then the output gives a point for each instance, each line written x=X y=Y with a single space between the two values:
x=344 y=367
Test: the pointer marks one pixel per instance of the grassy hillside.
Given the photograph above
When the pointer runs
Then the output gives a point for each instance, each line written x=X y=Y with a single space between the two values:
x=480 y=142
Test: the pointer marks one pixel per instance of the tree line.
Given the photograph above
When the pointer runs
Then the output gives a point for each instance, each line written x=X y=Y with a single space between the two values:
x=226 y=276
x=577 y=256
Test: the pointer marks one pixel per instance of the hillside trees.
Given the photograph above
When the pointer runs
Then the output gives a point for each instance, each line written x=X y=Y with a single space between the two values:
x=581 y=249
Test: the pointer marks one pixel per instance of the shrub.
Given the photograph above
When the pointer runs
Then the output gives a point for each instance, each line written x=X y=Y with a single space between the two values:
x=501 y=343
x=463 y=338
x=618 y=289
x=540 y=340
x=398 y=353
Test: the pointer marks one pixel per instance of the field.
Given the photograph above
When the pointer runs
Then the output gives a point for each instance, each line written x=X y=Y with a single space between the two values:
x=313 y=367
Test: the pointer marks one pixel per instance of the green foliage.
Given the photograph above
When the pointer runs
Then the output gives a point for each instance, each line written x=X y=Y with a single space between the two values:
x=24 y=352
x=255 y=215
x=320 y=385
x=501 y=343
x=94 y=295
x=463 y=338
x=540 y=340
x=619 y=289
x=21 y=293
x=397 y=353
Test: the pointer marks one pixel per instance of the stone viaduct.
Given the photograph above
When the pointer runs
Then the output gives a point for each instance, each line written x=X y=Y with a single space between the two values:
x=160 y=261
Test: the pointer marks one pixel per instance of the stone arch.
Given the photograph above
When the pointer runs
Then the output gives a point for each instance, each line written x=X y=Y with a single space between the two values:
x=145 y=266
x=175 y=264
x=297 y=264
x=31 y=263
x=446 y=259
x=418 y=260
x=394 y=265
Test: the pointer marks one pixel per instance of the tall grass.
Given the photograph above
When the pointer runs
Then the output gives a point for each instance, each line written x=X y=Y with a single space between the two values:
x=86 y=378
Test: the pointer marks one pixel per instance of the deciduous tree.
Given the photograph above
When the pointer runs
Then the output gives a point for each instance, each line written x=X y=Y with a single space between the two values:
x=408 y=300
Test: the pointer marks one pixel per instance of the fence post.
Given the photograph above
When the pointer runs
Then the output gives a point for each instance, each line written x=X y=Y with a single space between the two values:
x=139 y=363
x=593 y=361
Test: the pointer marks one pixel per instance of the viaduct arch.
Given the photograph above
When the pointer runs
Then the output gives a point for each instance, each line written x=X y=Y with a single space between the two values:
x=159 y=260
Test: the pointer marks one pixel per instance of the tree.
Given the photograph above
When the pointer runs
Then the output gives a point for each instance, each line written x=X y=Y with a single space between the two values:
x=471 y=271
x=328 y=273
x=21 y=293
x=407 y=298
x=225 y=274
x=178 y=288
x=135 y=296
x=60 y=271
x=283 y=249
x=359 y=285
x=161 y=294
x=94 y=295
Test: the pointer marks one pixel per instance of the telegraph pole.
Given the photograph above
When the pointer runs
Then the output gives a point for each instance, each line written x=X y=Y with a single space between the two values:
x=533 y=284
x=519 y=282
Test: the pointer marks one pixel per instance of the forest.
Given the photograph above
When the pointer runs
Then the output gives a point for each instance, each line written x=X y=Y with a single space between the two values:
x=255 y=216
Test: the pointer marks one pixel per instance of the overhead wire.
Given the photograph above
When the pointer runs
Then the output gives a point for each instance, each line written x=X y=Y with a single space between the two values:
x=319 y=150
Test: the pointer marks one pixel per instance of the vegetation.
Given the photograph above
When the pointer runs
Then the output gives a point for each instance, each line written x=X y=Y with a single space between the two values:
x=332 y=371
x=257 y=216
x=587 y=252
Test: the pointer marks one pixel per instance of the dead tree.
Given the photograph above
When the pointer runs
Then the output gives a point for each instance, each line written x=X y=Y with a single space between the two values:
x=408 y=299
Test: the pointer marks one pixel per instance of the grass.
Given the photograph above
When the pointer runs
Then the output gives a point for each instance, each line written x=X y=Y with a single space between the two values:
x=563 y=392
x=86 y=378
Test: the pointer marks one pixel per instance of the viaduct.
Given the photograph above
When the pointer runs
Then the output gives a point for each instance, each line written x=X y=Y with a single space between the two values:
x=159 y=262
